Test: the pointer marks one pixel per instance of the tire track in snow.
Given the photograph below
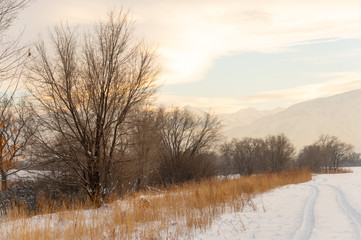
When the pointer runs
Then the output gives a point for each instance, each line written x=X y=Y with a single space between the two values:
x=347 y=208
x=308 y=220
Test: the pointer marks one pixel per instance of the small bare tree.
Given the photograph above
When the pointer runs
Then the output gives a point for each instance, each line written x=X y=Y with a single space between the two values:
x=326 y=154
x=13 y=139
x=187 y=140
x=16 y=133
x=334 y=151
x=244 y=155
x=311 y=156
x=85 y=92
x=278 y=153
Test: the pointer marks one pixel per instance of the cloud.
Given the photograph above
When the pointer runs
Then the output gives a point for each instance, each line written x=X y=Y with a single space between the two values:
x=191 y=36
x=338 y=82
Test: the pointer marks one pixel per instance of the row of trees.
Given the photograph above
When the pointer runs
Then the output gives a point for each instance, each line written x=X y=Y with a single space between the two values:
x=276 y=153
x=173 y=145
x=326 y=154
x=253 y=155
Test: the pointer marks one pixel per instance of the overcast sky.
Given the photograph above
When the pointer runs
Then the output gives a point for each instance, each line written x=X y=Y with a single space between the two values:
x=225 y=55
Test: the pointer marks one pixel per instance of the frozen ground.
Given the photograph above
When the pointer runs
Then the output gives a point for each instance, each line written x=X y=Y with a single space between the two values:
x=327 y=207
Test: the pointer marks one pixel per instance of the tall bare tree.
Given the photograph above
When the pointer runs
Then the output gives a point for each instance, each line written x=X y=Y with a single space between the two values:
x=86 y=91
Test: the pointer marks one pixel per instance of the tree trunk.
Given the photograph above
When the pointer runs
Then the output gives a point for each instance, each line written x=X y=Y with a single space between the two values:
x=4 y=183
x=94 y=181
x=95 y=193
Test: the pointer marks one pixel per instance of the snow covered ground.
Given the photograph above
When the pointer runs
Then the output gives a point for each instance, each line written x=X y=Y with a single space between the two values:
x=327 y=207
x=27 y=174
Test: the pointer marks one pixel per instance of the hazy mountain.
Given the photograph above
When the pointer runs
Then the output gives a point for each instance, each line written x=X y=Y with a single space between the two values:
x=303 y=123
x=240 y=118
x=244 y=117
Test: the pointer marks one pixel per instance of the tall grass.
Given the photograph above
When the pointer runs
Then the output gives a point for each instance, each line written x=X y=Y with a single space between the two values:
x=178 y=212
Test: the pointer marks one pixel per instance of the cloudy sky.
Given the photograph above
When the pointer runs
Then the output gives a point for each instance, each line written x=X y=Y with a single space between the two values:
x=225 y=55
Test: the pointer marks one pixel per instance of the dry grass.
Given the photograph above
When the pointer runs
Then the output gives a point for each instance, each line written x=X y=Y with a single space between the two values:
x=178 y=212
x=338 y=171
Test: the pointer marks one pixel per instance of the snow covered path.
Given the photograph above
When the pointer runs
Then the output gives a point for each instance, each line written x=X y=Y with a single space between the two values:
x=327 y=207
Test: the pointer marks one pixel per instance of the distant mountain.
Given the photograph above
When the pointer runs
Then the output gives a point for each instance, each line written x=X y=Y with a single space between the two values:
x=303 y=123
x=244 y=117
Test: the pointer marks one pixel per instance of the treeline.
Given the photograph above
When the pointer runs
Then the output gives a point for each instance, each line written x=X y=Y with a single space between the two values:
x=274 y=153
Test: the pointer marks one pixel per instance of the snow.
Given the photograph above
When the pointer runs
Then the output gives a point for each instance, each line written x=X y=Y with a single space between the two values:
x=327 y=207
x=26 y=174
x=245 y=117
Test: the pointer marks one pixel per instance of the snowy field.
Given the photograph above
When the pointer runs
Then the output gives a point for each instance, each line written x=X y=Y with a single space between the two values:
x=327 y=207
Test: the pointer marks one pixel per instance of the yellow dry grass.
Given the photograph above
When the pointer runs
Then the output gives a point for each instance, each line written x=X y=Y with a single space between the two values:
x=338 y=171
x=179 y=211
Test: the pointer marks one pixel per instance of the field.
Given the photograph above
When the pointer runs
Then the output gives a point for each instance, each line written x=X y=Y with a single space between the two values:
x=178 y=212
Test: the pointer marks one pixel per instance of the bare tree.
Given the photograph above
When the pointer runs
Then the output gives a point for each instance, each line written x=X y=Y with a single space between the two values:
x=244 y=155
x=12 y=54
x=187 y=140
x=16 y=133
x=86 y=91
x=12 y=57
x=313 y=157
x=144 y=148
x=8 y=12
x=353 y=159
x=279 y=152
x=326 y=154
x=334 y=151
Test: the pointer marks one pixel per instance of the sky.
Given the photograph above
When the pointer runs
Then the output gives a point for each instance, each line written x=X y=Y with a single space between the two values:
x=225 y=55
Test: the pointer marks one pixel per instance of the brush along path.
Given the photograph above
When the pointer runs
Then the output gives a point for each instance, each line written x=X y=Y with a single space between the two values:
x=328 y=207
x=176 y=213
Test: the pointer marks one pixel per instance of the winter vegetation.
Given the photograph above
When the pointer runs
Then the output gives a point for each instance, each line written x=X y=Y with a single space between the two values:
x=174 y=212
x=111 y=164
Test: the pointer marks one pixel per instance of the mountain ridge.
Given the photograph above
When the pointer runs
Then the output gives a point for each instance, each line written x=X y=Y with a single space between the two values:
x=304 y=122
